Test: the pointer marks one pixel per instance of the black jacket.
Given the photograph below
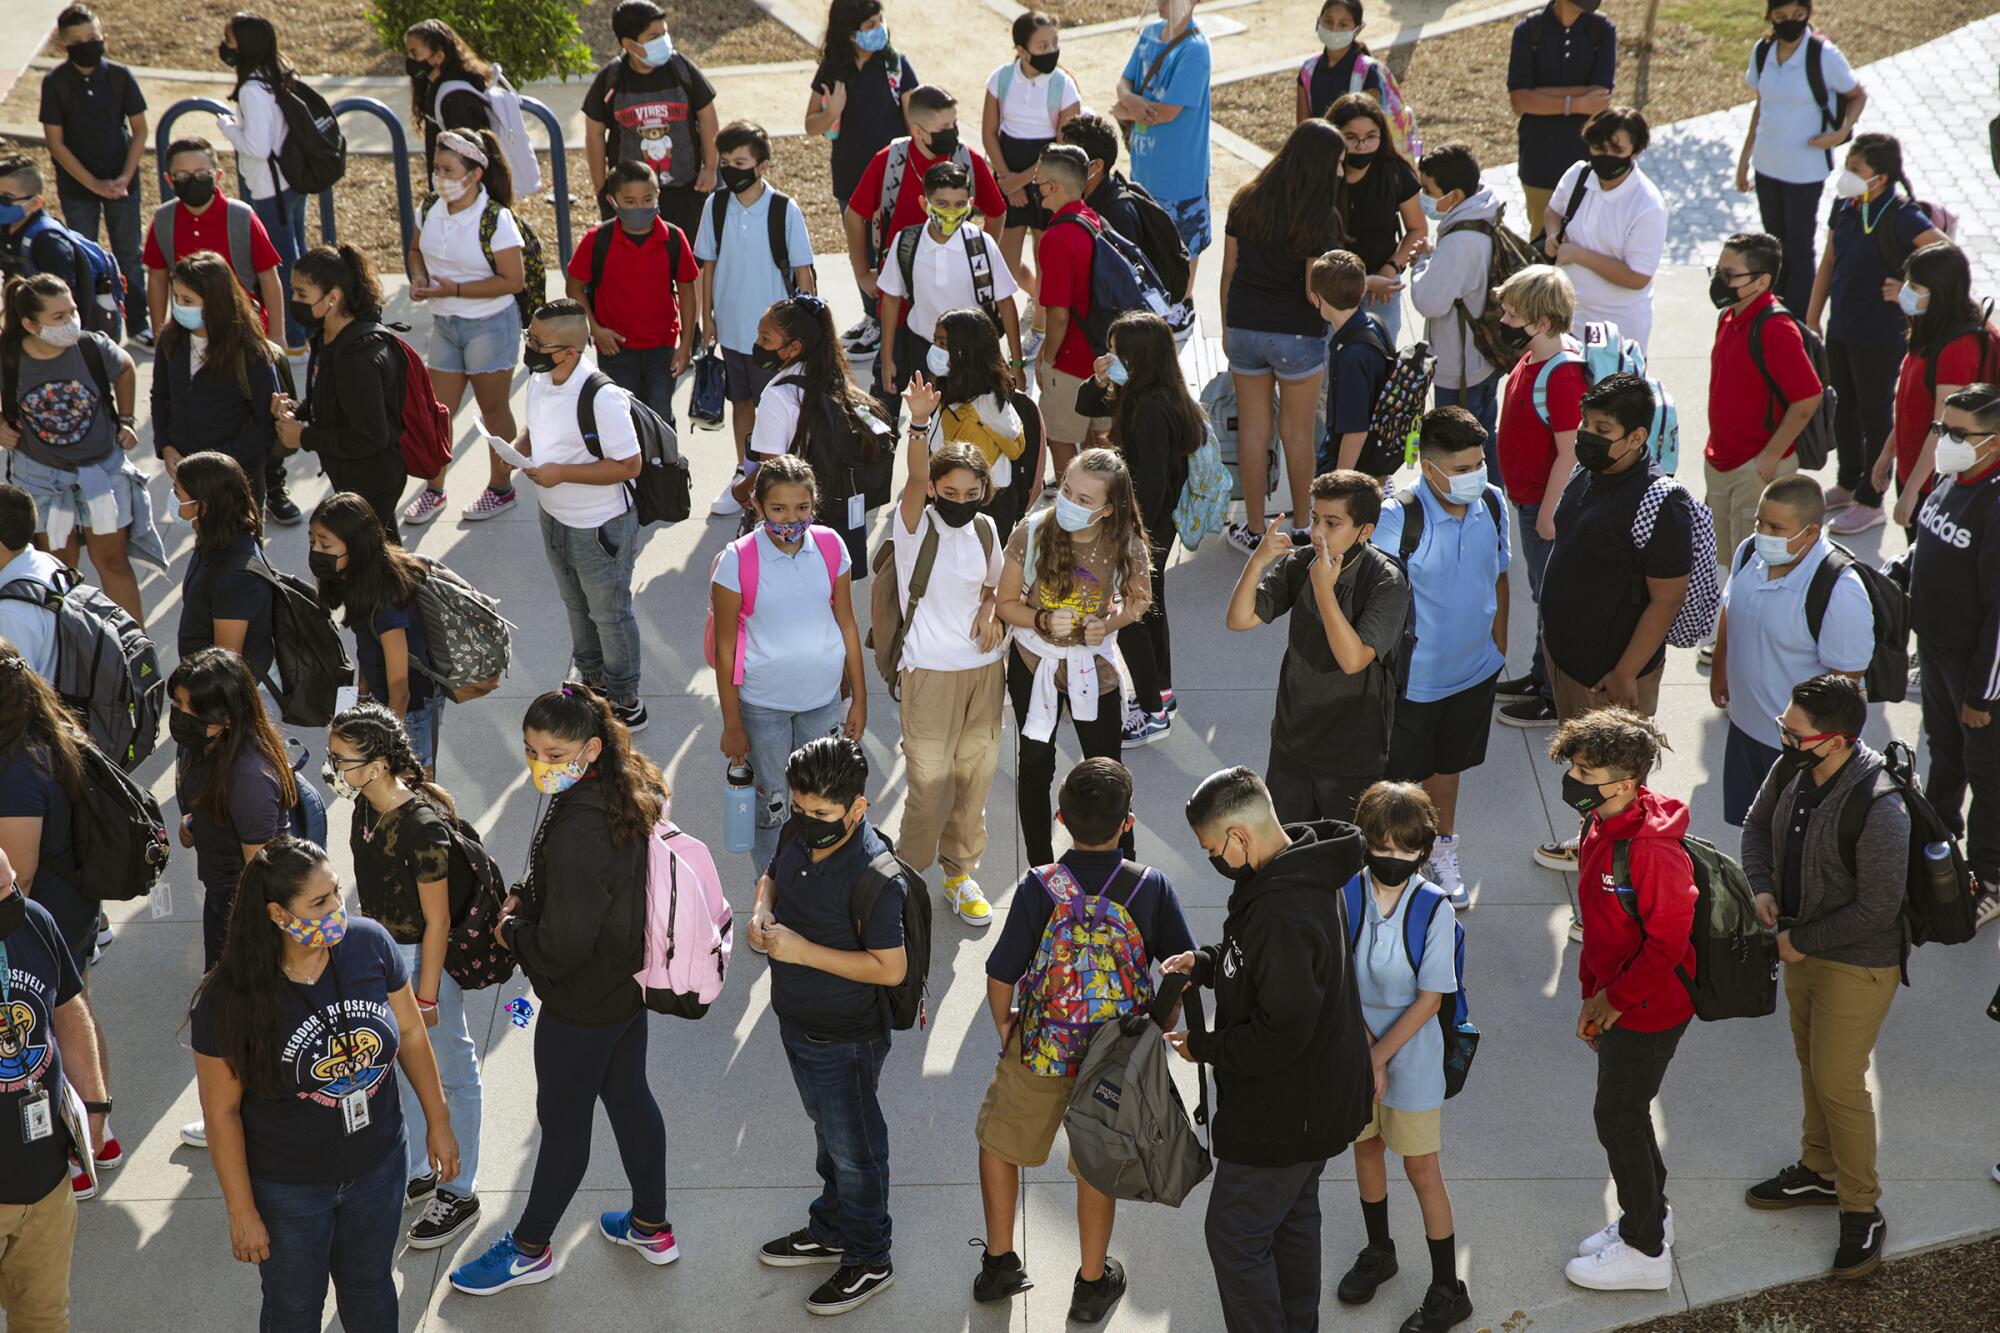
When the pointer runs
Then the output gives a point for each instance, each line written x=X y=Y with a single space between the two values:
x=1156 y=453
x=1292 y=1077
x=581 y=931
x=209 y=408
x=354 y=394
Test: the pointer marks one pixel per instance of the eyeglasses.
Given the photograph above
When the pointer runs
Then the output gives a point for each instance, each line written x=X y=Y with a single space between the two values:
x=190 y=177
x=1370 y=140
x=535 y=344
x=1939 y=428
x=1786 y=733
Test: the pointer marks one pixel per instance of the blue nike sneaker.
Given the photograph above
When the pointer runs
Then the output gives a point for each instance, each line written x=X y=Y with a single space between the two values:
x=659 y=1248
x=503 y=1266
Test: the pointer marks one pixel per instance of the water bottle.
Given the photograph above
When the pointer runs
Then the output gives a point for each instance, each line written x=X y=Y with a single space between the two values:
x=739 y=813
x=1945 y=883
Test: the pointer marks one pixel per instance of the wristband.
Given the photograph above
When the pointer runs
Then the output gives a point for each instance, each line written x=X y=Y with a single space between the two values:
x=1018 y=363
x=918 y=427
x=1566 y=105
x=127 y=419
x=98 y=1108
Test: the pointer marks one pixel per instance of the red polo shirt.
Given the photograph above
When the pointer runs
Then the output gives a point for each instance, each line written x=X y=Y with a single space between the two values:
x=1527 y=445
x=1742 y=411
x=209 y=230
x=1064 y=257
x=867 y=196
x=637 y=296
x=1958 y=363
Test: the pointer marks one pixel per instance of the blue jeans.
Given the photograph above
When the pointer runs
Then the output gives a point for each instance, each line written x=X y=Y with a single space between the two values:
x=593 y=569
x=421 y=724
x=1535 y=552
x=458 y=1067
x=647 y=374
x=346 y=1231
x=284 y=219
x=774 y=734
x=837 y=1084
x=1389 y=314
x=123 y=236
x=1483 y=401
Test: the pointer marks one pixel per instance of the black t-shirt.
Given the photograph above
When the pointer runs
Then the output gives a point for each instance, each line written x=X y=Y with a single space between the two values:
x=1267 y=293
x=650 y=117
x=257 y=814
x=1328 y=721
x=336 y=1036
x=393 y=853
x=1373 y=217
x=813 y=900
x=29 y=791
x=872 y=117
x=1594 y=589
x=219 y=587
x=93 y=110
x=41 y=977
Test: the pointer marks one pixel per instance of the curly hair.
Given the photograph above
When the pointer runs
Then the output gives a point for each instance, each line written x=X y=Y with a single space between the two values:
x=1617 y=740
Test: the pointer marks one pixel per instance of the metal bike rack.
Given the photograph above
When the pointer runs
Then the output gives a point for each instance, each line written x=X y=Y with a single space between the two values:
x=558 y=171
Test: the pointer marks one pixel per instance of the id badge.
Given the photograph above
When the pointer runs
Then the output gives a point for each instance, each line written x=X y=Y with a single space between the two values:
x=857 y=512
x=345 y=697
x=354 y=1111
x=38 y=1121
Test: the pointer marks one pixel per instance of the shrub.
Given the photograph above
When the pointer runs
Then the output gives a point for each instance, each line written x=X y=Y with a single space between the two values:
x=530 y=39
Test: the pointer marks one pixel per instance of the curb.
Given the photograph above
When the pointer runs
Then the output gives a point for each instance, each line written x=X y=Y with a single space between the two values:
x=1402 y=37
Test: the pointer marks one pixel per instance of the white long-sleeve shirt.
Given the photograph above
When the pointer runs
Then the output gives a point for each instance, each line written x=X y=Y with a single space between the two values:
x=258 y=133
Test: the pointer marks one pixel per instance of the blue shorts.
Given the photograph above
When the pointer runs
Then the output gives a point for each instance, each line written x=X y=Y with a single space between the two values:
x=93 y=498
x=1290 y=356
x=463 y=346
x=745 y=383
x=1191 y=221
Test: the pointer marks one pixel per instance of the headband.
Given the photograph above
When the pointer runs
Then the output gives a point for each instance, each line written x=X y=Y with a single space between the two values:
x=464 y=147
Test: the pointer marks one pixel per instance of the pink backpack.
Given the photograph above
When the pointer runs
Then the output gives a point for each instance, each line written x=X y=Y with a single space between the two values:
x=687 y=925
x=830 y=547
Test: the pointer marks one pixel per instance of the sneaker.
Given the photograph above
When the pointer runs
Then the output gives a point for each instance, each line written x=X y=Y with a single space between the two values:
x=1996 y=1172
x=1519 y=687
x=658 y=1248
x=1557 y=855
x=1705 y=655
x=1372 y=1267
x=144 y=337
x=1443 y=870
x=1838 y=497
x=1000 y=1275
x=104 y=935
x=1798 y=1185
x=420 y=1189
x=1169 y=703
x=1986 y=906
x=633 y=715
x=1856 y=518
x=724 y=504
x=1442 y=1307
x=1575 y=928
x=797 y=1250
x=1861 y=1239
x=278 y=505
x=489 y=503
x=427 y=506
x=195 y=1134
x=1180 y=317
x=850 y=1285
x=112 y=1155
x=1619 y=1267
x=967 y=903
x=1091 y=1301
x=503 y=1266
x=447 y=1215
x=1143 y=728
x=1533 y=711
x=80 y=1184
x=1240 y=538
x=1597 y=1240
x=863 y=337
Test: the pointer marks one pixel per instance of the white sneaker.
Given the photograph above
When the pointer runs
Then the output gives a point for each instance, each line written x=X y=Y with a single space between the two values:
x=1619 y=1267
x=724 y=504
x=195 y=1134
x=1597 y=1240
x=1443 y=870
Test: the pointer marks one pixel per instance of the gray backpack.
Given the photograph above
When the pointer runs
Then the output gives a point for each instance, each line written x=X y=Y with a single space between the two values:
x=107 y=670
x=1128 y=1129
x=471 y=643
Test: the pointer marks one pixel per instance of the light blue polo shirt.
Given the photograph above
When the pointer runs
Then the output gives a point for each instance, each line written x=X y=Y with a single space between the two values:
x=1452 y=576
x=1770 y=648
x=1170 y=160
x=1387 y=986
x=794 y=656
x=746 y=281
x=1787 y=115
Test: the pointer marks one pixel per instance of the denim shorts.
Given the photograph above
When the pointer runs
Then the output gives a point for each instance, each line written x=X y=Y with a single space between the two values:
x=1290 y=356
x=1191 y=221
x=475 y=346
x=89 y=496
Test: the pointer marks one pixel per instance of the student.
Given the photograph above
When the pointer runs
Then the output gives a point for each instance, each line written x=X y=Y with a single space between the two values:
x=1875 y=226
x=67 y=445
x=1560 y=72
x=1077 y=573
x=1164 y=93
x=250 y=47
x=1399 y=1005
x=435 y=57
x=1336 y=701
x=401 y=840
x=190 y=223
x=979 y=403
x=652 y=105
x=590 y=526
x=1107 y=192
x=1541 y=410
x=1287 y=1046
x=358 y=569
x=1792 y=135
x=1065 y=260
x=222 y=602
x=1380 y=216
x=1838 y=911
x=949 y=264
x=352 y=416
x=1358 y=353
x=860 y=100
x=577 y=925
x=294 y=1030
x=1949 y=337
x=1764 y=641
x=950 y=682
x=1457 y=571
x=1034 y=1000
x=1028 y=101
x=1449 y=288
x=216 y=374
x=467 y=270
x=1331 y=74
x=799 y=643
x=826 y=993
x=31 y=240
x=1636 y=940
x=27 y=626
x=93 y=118
x=1273 y=332
x=739 y=286
x=1755 y=409
x=1606 y=226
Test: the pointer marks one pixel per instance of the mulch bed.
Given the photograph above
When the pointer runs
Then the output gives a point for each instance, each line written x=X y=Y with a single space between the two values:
x=1077 y=13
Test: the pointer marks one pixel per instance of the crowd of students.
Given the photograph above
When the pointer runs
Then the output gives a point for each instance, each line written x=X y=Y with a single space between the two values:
x=1052 y=451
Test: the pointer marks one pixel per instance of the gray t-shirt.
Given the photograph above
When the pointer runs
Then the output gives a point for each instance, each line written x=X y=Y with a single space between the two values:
x=65 y=423
x=1328 y=722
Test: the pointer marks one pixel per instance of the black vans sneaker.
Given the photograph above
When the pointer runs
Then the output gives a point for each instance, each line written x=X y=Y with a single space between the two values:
x=1372 y=1267
x=1794 y=1187
x=420 y=1189
x=1442 y=1307
x=1091 y=1301
x=797 y=1250
x=1000 y=1275
x=447 y=1215
x=1861 y=1238
x=850 y=1285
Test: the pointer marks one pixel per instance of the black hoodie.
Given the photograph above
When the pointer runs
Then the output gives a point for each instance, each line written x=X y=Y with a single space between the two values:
x=581 y=931
x=1292 y=1076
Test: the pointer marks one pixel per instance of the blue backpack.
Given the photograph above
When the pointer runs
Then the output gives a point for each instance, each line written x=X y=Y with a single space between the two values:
x=1461 y=1034
x=308 y=814
x=1121 y=279
x=97 y=284
x=1605 y=351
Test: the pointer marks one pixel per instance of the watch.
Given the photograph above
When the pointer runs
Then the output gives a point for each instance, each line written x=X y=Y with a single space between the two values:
x=98 y=1108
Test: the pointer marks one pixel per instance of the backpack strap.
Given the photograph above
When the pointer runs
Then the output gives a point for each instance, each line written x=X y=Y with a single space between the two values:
x=1768 y=313
x=1412 y=505
x=100 y=373
x=1621 y=874
x=489 y=219
x=239 y=218
x=1153 y=69
x=1350 y=893
x=1760 y=53
x=920 y=581
x=1491 y=495
x=980 y=260
x=830 y=548
x=163 y=230
x=893 y=169
x=1854 y=808
x=1417 y=928
x=600 y=253
x=1575 y=203
x=1819 y=592
x=1306 y=76
x=1931 y=362
x=867 y=891
x=1643 y=524
x=777 y=223
x=1565 y=357
x=749 y=559
x=586 y=412
x=907 y=241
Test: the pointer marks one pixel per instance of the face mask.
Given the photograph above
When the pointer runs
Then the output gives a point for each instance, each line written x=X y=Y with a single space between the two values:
x=937 y=361
x=1334 y=40
x=1355 y=159
x=337 y=783
x=787 y=533
x=302 y=313
x=187 y=729
x=944 y=142
x=766 y=358
x=1609 y=166
x=1720 y=294
x=417 y=69
x=1588 y=6
x=1515 y=337
x=639 y=221
x=13 y=912
x=65 y=334
x=87 y=55
x=451 y=189
x=949 y=219
x=1465 y=487
x=1429 y=205
x=187 y=316
x=1955 y=455
x=324 y=933
x=956 y=513
x=1790 y=30
x=1073 y=517
x=195 y=193
x=1045 y=63
x=873 y=39
x=1775 y=551
x=226 y=54
x=537 y=363
x=738 y=179
x=1910 y=302
x=818 y=834
x=10 y=213
x=1794 y=760
x=1236 y=874
x=658 y=51
x=1848 y=185
x=1391 y=871
x=554 y=779
x=323 y=564
x=1593 y=452
x=1581 y=796
x=1116 y=372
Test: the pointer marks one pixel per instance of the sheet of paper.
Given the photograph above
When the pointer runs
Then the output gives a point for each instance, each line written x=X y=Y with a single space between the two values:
x=505 y=448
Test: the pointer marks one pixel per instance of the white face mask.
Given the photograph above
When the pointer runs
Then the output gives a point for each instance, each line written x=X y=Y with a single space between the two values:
x=1849 y=185
x=1955 y=455
x=1335 y=39
x=61 y=335
x=451 y=189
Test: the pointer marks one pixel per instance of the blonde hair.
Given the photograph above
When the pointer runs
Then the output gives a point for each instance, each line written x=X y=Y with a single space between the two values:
x=1541 y=292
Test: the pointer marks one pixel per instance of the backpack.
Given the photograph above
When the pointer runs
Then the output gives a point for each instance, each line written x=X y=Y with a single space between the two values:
x=1930 y=919
x=1128 y=1129
x=313 y=156
x=118 y=838
x=426 y=435
x=894 y=168
x=473 y=956
x=1989 y=353
x=508 y=123
x=1735 y=957
x=1089 y=969
x=97 y=283
x=1160 y=241
x=534 y=291
x=688 y=934
x=1509 y=255
x=662 y=491
x=1058 y=85
x=1204 y=503
x=471 y=644
x=93 y=364
x=1695 y=621
x=747 y=560
x=1218 y=404
x=281 y=365
x=1604 y=351
x=1399 y=404
x=978 y=259
x=309 y=657
x=891 y=611
x=238 y=217
x=107 y=669
x=842 y=464
x=1815 y=444
x=1894 y=253
x=907 y=999
x=307 y=817
x=1832 y=109
x=1454 y=1016
x=1887 y=679
x=600 y=251
x=777 y=219
x=711 y=390
x=1121 y=279
x=1402 y=121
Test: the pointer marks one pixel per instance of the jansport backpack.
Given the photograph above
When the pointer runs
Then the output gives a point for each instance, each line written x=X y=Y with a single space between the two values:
x=471 y=644
x=1204 y=503
x=688 y=925
x=473 y=955
x=908 y=999
x=313 y=156
x=661 y=492
x=1510 y=254
x=1887 y=679
x=747 y=562
x=1399 y=406
x=1932 y=918
x=97 y=284
x=1605 y=351
x=1127 y=1126
x=107 y=669
x=1695 y=621
x=1121 y=279
x=891 y=608
x=310 y=659
x=1454 y=1016
x=118 y=836
x=1735 y=957
x=1089 y=969
x=508 y=123
x=1815 y=443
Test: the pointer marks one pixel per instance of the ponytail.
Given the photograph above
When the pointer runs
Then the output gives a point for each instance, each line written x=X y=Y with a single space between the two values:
x=635 y=791
x=345 y=269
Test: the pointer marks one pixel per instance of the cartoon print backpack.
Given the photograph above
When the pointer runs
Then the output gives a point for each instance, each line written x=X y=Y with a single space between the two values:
x=1387 y=93
x=1604 y=351
x=1204 y=502
x=1089 y=969
x=688 y=925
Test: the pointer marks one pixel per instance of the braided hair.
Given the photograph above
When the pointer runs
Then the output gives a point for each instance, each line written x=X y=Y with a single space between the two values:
x=376 y=733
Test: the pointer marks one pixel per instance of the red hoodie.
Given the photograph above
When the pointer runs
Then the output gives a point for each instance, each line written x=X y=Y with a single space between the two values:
x=1635 y=969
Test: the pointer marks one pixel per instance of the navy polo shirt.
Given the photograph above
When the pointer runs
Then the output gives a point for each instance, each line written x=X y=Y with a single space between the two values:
x=1862 y=255
x=1548 y=55
x=813 y=899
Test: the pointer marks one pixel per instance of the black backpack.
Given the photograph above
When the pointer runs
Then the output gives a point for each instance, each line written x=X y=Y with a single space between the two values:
x=118 y=838
x=843 y=463
x=1735 y=957
x=314 y=155
x=777 y=219
x=473 y=956
x=309 y=657
x=662 y=491
x=1815 y=443
x=1887 y=679
x=1931 y=916
x=1160 y=240
x=907 y=999
x=107 y=669
x=1832 y=110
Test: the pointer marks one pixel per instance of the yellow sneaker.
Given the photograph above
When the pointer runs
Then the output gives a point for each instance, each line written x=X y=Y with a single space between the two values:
x=967 y=903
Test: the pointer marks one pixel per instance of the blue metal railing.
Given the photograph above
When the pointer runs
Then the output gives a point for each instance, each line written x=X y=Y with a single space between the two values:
x=399 y=152
x=558 y=171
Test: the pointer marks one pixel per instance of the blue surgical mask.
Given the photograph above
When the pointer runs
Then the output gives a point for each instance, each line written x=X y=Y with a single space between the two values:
x=1073 y=517
x=1911 y=303
x=11 y=212
x=658 y=51
x=1428 y=204
x=187 y=316
x=873 y=39
x=1775 y=551
x=938 y=361
x=1466 y=487
x=1116 y=372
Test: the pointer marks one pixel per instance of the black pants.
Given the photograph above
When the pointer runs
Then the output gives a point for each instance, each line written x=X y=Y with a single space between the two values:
x=378 y=480
x=1962 y=756
x=1147 y=644
x=1865 y=380
x=1035 y=763
x=215 y=903
x=1300 y=795
x=1791 y=213
x=905 y=346
x=576 y=1066
x=1630 y=1066
x=1263 y=1239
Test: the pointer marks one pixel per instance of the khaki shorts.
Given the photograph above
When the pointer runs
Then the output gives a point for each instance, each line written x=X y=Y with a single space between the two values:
x=1060 y=419
x=1022 y=1111
x=1406 y=1133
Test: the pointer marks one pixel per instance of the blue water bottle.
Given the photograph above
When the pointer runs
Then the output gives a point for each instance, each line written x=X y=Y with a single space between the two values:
x=739 y=815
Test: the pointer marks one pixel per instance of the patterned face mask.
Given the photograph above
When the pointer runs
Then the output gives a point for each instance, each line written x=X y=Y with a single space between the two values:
x=552 y=779
x=323 y=933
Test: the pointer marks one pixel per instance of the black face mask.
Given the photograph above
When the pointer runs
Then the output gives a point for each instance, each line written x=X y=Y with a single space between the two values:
x=1236 y=874
x=417 y=69
x=766 y=358
x=1790 y=30
x=1391 y=871
x=323 y=564
x=302 y=313
x=1359 y=160
x=1581 y=796
x=226 y=54
x=88 y=55
x=1593 y=452
x=1795 y=760
x=1515 y=338
x=195 y=193
x=944 y=142
x=537 y=363
x=818 y=834
x=186 y=729
x=1045 y=63
x=13 y=912
x=956 y=513
x=1720 y=294
x=1609 y=166
x=738 y=179
x=1588 y=6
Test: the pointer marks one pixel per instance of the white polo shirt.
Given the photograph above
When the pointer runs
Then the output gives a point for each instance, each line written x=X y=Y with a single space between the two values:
x=941 y=272
x=449 y=243
x=1787 y=116
x=555 y=437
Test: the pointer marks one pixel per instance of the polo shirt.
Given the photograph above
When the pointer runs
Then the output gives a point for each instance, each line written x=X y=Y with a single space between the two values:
x=1807 y=798
x=1771 y=649
x=1526 y=443
x=813 y=899
x=638 y=296
x=778 y=411
x=940 y=632
x=1171 y=159
x=41 y=978
x=909 y=210
x=872 y=114
x=941 y=272
x=1787 y=113
x=1856 y=311
x=1064 y=257
x=94 y=110
x=1545 y=54
x=1388 y=985
x=793 y=650
x=1742 y=410
x=448 y=239
x=1452 y=573
x=1594 y=589
x=556 y=436
x=28 y=627
x=1959 y=362
x=746 y=282
x=208 y=229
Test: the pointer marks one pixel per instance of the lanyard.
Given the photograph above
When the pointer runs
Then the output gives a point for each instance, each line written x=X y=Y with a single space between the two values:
x=339 y=1008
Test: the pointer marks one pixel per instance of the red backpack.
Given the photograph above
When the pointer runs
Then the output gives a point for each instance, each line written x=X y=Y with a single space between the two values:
x=426 y=421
